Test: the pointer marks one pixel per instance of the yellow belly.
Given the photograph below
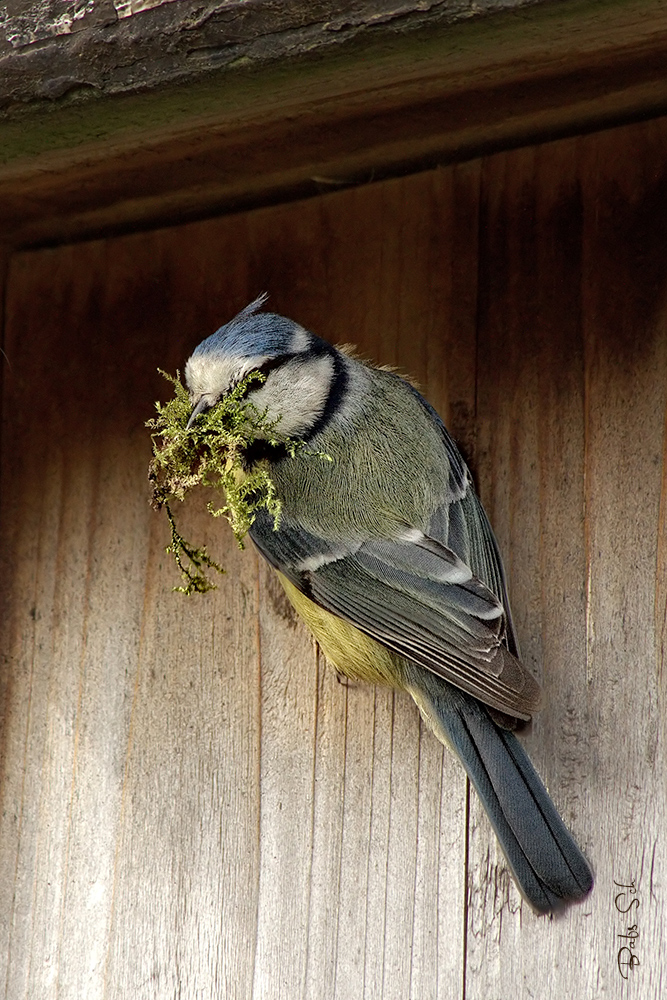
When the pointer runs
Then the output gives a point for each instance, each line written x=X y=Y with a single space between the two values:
x=351 y=652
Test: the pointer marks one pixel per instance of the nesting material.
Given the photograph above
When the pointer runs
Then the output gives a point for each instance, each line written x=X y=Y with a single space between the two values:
x=212 y=453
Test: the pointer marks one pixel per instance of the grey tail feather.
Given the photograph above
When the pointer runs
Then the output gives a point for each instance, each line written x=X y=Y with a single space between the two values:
x=548 y=866
x=252 y=307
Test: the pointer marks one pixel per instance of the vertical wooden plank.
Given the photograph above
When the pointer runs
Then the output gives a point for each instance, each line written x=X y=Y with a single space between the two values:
x=625 y=316
x=412 y=303
x=531 y=455
x=289 y=674
x=656 y=878
x=191 y=793
x=571 y=405
x=506 y=391
x=113 y=709
x=368 y=935
x=361 y=936
x=448 y=274
x=54 y=487
x=289 y=707
x=186 y=881
x=328 y=801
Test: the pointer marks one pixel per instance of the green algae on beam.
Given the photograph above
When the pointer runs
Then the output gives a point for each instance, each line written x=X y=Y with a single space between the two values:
x=376 y=59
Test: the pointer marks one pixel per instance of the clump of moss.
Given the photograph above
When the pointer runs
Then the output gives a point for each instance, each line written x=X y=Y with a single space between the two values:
x=210 y=453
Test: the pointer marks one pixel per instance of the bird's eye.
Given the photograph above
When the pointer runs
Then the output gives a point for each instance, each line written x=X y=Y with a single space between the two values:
x=272 y=363
x=264 y=369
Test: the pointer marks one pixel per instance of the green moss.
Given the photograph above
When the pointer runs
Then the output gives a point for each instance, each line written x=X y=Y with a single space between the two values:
x=211 y=453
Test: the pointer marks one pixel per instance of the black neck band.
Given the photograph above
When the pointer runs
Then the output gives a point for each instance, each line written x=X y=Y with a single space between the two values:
x=339 y=381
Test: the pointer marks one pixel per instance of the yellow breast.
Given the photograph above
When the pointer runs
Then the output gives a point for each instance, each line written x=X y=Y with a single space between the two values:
x=351 y=652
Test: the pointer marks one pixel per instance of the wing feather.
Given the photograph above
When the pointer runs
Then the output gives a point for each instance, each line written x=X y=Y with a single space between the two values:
x=436 y=596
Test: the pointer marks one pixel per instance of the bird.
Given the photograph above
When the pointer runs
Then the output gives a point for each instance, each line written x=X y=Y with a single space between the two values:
x=385 y=551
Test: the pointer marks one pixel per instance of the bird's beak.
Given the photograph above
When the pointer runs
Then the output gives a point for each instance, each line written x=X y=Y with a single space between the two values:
x=199 y=407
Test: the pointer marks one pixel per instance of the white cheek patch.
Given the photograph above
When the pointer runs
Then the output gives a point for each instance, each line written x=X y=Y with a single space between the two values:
x=296 y=393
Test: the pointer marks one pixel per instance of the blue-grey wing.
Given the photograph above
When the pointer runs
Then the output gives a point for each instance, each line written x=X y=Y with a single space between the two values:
x=460 y=523
x=418 y=598
x=433 y=593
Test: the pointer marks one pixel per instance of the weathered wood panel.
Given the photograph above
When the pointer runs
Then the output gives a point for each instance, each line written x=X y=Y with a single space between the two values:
x=190 y=802
x=572 y=395
x=625 y=327
x=531 y=455
x=258 y=102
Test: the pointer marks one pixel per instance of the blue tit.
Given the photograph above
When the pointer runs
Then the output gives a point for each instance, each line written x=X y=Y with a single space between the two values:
x=385 y=551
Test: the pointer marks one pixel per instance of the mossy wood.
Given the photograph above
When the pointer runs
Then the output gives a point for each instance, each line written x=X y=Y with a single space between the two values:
x=289 y=115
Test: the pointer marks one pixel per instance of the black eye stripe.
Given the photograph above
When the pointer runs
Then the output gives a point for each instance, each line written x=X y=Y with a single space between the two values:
x=317 y=349
x=273 y=363
x=264 y=369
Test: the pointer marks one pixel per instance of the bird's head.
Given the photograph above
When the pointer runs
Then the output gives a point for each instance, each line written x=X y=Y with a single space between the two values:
x=300 y=369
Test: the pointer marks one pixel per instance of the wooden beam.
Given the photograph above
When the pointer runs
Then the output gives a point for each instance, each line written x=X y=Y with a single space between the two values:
x=384 y=107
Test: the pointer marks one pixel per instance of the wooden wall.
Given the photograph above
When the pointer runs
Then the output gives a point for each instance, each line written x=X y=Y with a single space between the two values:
x=191 y=805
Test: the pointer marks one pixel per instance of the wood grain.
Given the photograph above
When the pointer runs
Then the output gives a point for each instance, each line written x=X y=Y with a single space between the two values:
x=191 y=800
x=263 y=103
x=625 y=324
x=531 y=456
x=191 y=803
